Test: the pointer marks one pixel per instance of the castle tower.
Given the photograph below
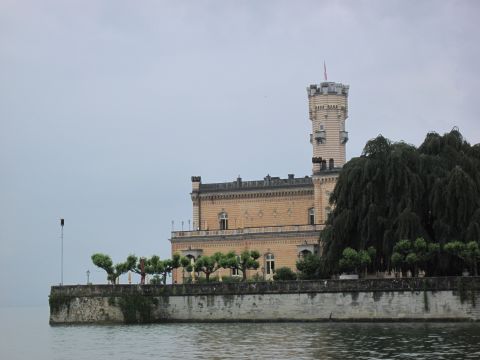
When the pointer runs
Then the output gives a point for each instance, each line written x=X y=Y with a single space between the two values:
x=328 y=110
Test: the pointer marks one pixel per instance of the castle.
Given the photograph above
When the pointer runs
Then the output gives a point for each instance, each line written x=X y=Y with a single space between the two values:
x=280 y=218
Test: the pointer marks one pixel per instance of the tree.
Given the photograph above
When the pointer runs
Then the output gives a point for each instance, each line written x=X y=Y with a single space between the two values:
x=395 y=191
x=140 y=268
x=311 y=267
x=246 y=261
x=364 y=260
x=469 y=253
x=350 y=260
x=413 y=256
x=208 y=264
x=284 y=274
x=113 y=271
x=399 y=257
x=155 y=266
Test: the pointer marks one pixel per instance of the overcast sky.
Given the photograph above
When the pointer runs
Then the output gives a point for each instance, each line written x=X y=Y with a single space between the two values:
x=108 y=107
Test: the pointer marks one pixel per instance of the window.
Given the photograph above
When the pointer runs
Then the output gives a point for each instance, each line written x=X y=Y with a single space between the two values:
x=223 y=219
x=304 y=253
x=330 y=164
x=321 y=126
x=311 y=216
x=270 y=264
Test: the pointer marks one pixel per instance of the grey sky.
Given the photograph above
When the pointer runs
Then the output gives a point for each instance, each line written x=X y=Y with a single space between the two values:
x=108 y=107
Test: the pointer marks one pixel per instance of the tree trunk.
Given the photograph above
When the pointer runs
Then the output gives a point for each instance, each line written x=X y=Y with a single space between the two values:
x=207 y=276
x=244 y=274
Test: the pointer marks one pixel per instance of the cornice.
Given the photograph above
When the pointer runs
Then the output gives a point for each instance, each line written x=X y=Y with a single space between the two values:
x=237 y=237
x=264 y=193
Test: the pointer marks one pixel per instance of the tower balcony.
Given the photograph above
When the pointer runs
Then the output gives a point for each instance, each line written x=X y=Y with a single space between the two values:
x=343 y=137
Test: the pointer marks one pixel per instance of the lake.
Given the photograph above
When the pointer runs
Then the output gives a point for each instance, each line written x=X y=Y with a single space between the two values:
x=26 y=334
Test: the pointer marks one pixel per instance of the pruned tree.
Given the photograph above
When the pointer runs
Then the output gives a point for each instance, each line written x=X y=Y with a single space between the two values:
x=350 y=260
x=246 y=261
x=469 y=253
x=113 y=271
x=163 y=268
x=208 y=264
x=413 y=256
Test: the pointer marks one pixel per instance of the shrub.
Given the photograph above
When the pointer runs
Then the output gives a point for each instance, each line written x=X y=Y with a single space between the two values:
x=284 y=273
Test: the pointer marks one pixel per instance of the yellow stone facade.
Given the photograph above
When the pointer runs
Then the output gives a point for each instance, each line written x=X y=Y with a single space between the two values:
x=280 y=218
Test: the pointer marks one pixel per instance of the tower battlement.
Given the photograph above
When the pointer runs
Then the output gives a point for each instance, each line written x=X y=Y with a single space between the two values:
x=328 y=87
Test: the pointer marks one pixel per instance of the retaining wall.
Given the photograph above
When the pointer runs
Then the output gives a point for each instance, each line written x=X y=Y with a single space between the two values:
x=411 y=299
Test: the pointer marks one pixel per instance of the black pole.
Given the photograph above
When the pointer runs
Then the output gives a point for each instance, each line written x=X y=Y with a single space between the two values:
x=62 y=223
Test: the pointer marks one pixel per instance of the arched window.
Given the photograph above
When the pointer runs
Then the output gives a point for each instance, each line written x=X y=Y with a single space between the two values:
x=223 y=220
x=311 y=216
x=270 y=264
x=304 y=253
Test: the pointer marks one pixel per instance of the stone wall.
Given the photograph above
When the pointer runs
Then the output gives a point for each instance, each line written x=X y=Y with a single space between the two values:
x=446 y=299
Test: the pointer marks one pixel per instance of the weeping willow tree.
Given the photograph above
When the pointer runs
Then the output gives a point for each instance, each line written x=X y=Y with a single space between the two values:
x=395 y=191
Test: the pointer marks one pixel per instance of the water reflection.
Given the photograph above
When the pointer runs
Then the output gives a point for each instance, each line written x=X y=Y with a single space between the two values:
x=25 y=334
x=271 y=340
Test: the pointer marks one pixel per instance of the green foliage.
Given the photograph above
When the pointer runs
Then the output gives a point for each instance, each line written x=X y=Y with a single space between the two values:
x=113 y=271
x=245 y=261
x=350 y=260
x=469 y=253
x=284 y=273
x=311 y=267
x=408 y=255
x=160 y=269
x=209 y=264
x=395 y=191
x=156 y=280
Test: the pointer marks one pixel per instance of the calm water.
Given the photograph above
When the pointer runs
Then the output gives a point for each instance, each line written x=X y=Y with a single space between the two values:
x=25 y=334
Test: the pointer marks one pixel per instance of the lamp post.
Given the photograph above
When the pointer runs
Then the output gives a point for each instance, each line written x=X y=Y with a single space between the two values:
x=62 y=222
